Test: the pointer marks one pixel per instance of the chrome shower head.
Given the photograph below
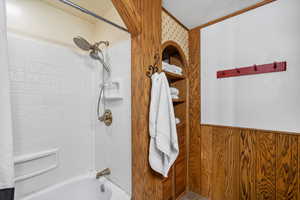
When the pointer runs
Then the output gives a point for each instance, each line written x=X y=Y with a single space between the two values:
x=82 y=43
x=94 y=49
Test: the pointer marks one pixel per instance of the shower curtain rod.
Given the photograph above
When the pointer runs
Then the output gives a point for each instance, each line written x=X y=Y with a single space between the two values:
x=69 y=3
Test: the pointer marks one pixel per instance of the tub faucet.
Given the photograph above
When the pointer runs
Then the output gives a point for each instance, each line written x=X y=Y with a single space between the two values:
x=104 y=172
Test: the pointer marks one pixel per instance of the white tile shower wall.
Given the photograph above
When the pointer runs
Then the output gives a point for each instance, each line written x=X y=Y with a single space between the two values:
x=113 y=144
x=51 y=90
x=265 y=101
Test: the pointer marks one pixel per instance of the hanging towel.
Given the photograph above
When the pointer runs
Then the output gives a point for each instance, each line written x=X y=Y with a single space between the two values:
x=164 y=148
x=6 y=144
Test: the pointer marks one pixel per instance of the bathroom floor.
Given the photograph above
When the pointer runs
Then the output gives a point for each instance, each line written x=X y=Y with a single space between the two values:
x=192 y=196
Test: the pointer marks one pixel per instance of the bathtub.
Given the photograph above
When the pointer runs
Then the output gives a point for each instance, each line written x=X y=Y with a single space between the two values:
x=81 y=188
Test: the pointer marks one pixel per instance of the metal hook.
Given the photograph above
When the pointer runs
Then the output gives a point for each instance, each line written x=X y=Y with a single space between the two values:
x=255 y=67
x=153 y=68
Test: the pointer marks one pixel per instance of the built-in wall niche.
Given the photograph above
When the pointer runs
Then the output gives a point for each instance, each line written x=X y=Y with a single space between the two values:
x=173 y=55
x=175 y=186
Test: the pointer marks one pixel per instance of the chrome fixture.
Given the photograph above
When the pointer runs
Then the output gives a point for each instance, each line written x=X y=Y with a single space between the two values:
x=94 y=49
x=102 y=173
x=73 y=5
x=106 y=117
x=96 y=53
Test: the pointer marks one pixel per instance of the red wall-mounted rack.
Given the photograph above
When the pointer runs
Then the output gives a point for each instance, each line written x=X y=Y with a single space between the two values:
x=254 y=69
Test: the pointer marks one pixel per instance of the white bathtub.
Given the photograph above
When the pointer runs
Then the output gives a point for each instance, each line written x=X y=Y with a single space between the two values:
x=81 y=188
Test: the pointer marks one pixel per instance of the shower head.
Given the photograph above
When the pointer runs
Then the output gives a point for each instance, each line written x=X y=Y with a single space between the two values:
x=82 y=43
x=94 y=49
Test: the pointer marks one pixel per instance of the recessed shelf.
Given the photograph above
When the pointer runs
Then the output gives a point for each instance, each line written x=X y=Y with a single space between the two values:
x=180 y=124
x=116 y=98
x=178 y=101
x=174 y=77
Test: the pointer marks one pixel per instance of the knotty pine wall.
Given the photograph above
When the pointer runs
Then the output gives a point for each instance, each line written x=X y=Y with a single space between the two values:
x=239 y=163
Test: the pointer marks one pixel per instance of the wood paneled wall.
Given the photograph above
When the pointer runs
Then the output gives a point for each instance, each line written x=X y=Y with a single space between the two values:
x=145 y=43
x=239 y=163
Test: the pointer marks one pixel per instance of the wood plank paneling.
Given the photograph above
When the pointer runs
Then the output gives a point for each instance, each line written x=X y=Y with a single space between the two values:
x=225 y=164
x=145 y=184
x=206 y=160
x=194 y=112
x=232 y=160
x=247 y=165
x=218 y=163
x=265 y=165
x=287 y=167
x=168 y=188
x=180 y=178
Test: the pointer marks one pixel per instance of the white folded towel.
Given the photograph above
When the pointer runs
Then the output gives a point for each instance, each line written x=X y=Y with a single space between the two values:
x=177 y=120
x=163 y=149
x=174 y=96
x=174 y=91
x=171 y=68
x=6 y=141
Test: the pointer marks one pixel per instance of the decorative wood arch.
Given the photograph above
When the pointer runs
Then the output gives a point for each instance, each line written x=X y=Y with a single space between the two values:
x=129 y=15
x=178 y=48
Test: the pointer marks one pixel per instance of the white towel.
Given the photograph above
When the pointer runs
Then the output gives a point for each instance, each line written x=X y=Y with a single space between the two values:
x=174 y=96
x=171 y=68
x=174 y=91
x=177 y=120
x=6 y=144
x=163 y=134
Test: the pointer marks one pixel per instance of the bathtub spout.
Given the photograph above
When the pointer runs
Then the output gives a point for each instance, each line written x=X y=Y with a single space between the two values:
x=104 y=172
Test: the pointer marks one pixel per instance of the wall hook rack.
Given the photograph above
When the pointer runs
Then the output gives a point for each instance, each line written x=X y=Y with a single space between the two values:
x=154 y=68
x=254 y=69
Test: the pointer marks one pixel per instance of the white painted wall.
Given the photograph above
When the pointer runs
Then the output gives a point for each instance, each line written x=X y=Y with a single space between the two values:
x=38 y=19
x=265 y=101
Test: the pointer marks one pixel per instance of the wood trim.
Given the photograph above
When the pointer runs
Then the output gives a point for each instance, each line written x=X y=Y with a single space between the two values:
x=253 y=129
x=146 y=185
x=173 y=17
x=178 y=47
x=194 y=111
x=129 y=15
x=239 y=12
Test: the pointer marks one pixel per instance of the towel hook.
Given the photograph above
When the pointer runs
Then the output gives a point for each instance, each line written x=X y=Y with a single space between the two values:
x=255 y=67
x=275 y=65
x=153 y=68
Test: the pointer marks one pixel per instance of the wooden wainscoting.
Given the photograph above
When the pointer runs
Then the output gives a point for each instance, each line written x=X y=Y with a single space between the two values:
x=250 y=164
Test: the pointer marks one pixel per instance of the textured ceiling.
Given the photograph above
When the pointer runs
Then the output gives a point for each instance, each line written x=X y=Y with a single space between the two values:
x=193 y=13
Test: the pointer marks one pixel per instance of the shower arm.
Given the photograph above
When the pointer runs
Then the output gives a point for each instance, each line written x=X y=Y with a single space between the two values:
x=96 y=46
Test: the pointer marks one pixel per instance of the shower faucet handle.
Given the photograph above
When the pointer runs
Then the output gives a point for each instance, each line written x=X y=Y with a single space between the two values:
x=106 y=117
